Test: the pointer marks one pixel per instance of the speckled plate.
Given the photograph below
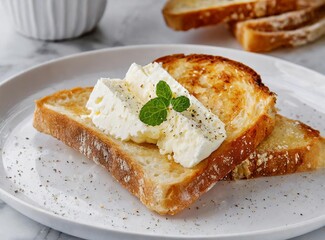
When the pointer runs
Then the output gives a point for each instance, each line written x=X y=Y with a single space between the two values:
x=54 y=185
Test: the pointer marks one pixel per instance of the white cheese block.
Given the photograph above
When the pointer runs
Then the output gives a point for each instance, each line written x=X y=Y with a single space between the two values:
x=189 y=136
x=115 y=111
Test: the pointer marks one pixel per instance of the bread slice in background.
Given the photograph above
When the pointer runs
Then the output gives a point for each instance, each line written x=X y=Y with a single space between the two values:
x=230 y=89
x=291 y=147
x=291 y=29
x=188 y=14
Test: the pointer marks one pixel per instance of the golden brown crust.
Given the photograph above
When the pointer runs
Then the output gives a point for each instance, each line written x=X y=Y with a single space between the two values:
x=90 y=142
x=254 y=78
x=113 y=156
x=229 y=155
x=204 y=16
x=214 y=81
x=287 y=30
x=274 y=157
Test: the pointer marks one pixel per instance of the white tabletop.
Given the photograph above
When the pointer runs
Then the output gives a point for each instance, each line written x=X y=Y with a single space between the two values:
x=124 y=23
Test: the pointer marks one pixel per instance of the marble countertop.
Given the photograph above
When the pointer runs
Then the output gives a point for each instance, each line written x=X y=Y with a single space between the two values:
x=124 y=23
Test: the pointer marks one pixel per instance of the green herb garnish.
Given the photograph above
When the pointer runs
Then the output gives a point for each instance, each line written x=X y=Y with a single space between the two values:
x=163 y=90
x=154 y=112
x=180 y=103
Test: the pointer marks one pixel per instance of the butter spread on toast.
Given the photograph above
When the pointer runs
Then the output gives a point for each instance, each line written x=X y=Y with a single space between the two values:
x=189 y=136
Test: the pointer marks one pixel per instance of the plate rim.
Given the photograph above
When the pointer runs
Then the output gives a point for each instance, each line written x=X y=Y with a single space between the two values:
x=6 y=196
x=131 y=47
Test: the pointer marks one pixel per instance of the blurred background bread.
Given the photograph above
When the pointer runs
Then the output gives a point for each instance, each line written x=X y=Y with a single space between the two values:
x=258 y=25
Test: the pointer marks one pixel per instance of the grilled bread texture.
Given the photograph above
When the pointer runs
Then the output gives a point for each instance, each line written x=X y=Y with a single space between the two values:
x=230 y=89
x=291 y=147
x=291 y=29
x=185 y=15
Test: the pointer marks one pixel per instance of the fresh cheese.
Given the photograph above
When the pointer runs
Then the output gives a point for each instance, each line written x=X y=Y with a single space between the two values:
x=189 y=136
x=115 y=111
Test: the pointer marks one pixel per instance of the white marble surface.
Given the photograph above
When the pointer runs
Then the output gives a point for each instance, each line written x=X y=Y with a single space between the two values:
x=124 y=23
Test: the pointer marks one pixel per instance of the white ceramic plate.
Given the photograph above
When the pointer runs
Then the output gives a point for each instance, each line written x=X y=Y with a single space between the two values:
x=54 y=185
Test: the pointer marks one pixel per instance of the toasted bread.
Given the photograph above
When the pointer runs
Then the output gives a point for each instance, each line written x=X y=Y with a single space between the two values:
x=184 y=15
x=285 y=30
x=294 y=150
x=236 y=94
x=291 y=147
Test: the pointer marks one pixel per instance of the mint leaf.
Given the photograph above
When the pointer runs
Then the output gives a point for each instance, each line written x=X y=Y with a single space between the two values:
x=165 y=101
x=154 y=112
x=180 y=103
x=163 y=90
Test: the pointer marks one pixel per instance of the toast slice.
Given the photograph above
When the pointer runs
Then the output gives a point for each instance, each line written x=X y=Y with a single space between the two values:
x=237 y=94
x=291 y=147
x=291 y=29
x=184 y=15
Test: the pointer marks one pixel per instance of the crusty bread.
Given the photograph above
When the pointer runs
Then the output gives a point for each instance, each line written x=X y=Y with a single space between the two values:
x=291 y=147
x=285 y=30
x=230 y=89
x=290 y=140
x=184 y=15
